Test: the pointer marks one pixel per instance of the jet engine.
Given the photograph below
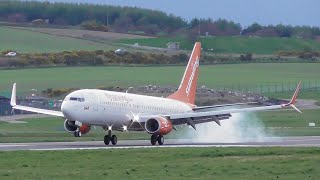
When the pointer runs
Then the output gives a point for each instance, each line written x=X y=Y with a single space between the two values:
x=158 y=125
x=84 y=129
x=72 y=126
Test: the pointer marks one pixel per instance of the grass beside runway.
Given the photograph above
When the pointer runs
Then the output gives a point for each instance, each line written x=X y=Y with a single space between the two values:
x=157 y=163
x=52 y=129
x=233 y=76
x=275 y=123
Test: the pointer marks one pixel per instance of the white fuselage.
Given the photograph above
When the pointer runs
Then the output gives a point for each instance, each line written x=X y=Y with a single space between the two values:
x=108 y=108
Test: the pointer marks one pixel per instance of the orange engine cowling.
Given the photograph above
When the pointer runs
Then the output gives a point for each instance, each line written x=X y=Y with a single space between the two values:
x=84 y=128
x=158 y=125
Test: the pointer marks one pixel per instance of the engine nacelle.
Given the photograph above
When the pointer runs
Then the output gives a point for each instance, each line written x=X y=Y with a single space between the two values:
x=72 y=126
x=84 y=129
x=158 y=125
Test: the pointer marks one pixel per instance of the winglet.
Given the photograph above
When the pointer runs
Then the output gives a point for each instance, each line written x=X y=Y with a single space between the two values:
x=295 y=95
x=294 y=99
x=13 y=95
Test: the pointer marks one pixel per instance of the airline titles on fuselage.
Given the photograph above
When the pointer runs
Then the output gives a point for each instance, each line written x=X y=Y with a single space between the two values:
x=118 y=98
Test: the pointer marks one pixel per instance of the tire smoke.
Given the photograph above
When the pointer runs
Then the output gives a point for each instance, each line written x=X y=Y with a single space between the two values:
x=241 y=127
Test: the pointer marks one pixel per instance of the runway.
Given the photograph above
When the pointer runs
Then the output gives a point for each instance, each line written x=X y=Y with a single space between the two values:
x=302 y=141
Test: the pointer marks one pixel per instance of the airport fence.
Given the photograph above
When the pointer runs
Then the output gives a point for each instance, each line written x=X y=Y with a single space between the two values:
x=7 y=93
x=267 y=88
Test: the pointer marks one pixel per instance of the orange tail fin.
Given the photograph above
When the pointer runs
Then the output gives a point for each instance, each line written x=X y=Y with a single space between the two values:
x=188 y=86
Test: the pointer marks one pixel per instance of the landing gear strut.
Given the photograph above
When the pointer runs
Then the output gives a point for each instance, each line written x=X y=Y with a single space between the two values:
x=157 y=138
x=154 y=139
x=110 y=138
x=77 y=133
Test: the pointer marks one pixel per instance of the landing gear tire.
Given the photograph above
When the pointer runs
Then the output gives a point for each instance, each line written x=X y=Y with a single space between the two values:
x=77 y=134
x=160 y=140
x=153 y=139
x=106 y=139
x=114 y=139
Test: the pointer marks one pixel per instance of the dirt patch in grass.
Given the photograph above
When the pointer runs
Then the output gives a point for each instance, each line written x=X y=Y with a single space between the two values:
x=85 y=34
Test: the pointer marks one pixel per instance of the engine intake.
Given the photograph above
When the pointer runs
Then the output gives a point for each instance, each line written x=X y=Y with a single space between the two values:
x=158 y=125
x=70 y=126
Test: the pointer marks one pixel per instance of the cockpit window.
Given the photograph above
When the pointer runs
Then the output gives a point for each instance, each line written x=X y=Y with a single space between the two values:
x=76 y=99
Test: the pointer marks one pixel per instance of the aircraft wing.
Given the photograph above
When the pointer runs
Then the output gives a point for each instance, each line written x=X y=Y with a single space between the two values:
x=31 y=109
x=38 y=110
x=219 y=112
x=196 y=117
x=222 y=105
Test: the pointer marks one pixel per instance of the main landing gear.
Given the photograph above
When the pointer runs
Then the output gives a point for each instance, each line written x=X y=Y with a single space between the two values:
x=157 y=138
x=110 y=138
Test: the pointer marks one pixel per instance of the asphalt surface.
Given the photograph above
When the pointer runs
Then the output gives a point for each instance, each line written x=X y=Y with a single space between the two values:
x=303 y=141
x=18 y=117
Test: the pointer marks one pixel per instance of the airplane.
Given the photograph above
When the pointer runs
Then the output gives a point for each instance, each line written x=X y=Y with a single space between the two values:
x=158 y=116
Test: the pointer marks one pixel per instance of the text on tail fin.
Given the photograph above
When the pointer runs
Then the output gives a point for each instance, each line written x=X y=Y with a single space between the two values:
x=187 y=89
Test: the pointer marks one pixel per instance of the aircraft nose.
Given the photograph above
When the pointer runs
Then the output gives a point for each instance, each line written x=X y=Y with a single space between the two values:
x=65 y=110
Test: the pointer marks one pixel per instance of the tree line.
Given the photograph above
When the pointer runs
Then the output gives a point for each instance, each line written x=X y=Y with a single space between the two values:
x=132 y=19
x=281 y=31
x=122 y=19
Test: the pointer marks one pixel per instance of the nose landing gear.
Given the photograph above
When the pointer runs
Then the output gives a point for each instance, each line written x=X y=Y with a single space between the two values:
x=77 y=133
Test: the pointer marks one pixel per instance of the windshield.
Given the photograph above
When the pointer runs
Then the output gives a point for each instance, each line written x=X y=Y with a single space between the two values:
x=76 y=99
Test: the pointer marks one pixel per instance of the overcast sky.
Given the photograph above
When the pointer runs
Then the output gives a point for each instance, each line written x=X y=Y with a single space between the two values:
x=293 y=12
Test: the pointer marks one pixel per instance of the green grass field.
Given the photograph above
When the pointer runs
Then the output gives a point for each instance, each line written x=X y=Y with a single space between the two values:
x=169 y=163
x=236 y=44
x=159 y=163
x=290 y=122
x=275 y=123
x=24 y=41
x=214 y=76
